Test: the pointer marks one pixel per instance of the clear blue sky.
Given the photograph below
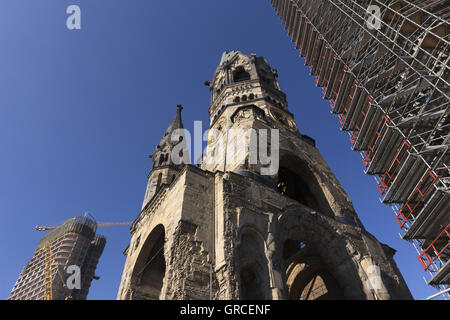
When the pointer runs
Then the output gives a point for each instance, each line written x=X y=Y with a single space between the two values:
x=80 y=111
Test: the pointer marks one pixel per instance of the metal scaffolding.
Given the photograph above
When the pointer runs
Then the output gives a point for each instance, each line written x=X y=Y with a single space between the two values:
x=387 y=76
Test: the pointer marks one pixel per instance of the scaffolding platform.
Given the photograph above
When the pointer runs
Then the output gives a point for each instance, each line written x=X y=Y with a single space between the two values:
x=389 y=88
x=442 y=276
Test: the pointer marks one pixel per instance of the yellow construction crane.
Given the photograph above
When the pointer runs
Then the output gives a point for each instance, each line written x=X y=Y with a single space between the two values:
x=101 y=224
x=49 y=273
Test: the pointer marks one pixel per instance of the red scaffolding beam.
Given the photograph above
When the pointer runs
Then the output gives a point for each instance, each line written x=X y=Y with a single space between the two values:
x=394 y=167
x=375 y=140
x=415 y=201
x=428 y=258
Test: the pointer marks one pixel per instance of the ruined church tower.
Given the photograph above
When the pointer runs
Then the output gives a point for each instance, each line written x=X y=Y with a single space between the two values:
x=234 y=228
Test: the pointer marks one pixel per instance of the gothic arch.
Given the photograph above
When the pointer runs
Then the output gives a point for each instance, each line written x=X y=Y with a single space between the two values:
x=240 y=75
x=254 y=278
x=150 y=267
x=297 y=180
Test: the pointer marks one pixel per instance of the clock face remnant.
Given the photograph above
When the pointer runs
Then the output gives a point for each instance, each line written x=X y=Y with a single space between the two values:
x=283 y=119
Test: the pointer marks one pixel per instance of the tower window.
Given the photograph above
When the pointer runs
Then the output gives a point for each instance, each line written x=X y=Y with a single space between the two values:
x=297 y=180
x=158 y=185
x=294 y=187
x=241 y=75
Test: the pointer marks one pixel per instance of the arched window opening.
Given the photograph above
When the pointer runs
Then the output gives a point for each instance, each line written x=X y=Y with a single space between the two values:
x=251 y=96
x=149 y=271
x=250 y=284
x=297 y=180
x=237 y=99
x=253 y=272
x=313 y=283
x=241 y=75
x=293 y=186
x=244 y=98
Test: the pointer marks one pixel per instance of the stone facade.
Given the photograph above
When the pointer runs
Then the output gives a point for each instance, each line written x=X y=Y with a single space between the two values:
x=223 y=230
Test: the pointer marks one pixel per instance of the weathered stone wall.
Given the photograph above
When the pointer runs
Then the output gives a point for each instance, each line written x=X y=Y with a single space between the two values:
x=204 y=216
x=344 y=248
x=187 y=201
x=189 y=275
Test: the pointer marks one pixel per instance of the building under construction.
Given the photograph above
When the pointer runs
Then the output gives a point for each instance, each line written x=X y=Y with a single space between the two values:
x=73 y=243
x=384 y=64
